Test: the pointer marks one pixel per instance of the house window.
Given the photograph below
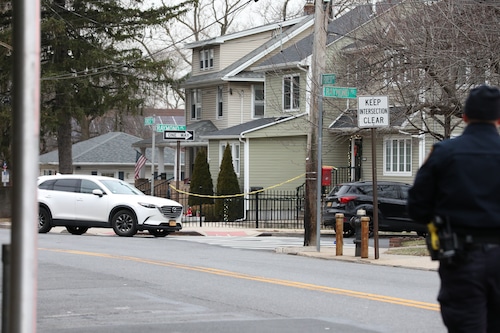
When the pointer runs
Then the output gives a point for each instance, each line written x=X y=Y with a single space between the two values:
x=206 y=59
x=397 y=156
x=108 y=174
x=291 y=93
x=235 y=153
x=258 y=100
x=220 y=102
x=196 y=104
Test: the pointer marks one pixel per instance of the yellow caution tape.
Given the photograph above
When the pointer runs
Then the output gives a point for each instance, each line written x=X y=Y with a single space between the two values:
x=235 y=195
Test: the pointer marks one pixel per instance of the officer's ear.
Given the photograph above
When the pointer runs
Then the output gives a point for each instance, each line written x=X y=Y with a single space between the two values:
x=466 y=119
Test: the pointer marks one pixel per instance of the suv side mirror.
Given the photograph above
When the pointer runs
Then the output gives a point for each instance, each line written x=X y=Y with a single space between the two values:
x=98 y=192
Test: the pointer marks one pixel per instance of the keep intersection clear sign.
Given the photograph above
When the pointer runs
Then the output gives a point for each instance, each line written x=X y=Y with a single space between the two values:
x=373 y=111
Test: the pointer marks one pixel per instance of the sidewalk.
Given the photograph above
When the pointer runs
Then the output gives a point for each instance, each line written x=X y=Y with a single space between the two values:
x=326 y=252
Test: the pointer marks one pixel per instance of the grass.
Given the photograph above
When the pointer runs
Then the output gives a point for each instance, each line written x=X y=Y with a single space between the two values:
x=414 y=247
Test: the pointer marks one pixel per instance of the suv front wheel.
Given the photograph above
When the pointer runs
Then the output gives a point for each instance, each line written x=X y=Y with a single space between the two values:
x=124 y=223
x=74 y=230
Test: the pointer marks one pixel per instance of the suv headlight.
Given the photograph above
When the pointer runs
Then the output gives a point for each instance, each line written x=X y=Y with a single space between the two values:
x=147 y=205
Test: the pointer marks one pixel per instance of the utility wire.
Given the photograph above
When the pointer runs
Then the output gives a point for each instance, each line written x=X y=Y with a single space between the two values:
x=111 y=67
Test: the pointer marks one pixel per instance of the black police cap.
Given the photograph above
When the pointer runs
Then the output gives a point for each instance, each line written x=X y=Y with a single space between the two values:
x=483 y=103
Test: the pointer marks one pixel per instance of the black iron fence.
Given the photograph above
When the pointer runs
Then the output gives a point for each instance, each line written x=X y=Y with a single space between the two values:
x=265 y=209
x=260 y=209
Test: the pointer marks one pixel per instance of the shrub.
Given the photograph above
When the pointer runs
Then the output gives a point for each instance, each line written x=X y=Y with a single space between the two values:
x=231 y=208
x=201 y=181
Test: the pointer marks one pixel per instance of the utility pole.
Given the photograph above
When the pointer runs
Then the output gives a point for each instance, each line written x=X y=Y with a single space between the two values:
x=313 y=162
x=22 y=300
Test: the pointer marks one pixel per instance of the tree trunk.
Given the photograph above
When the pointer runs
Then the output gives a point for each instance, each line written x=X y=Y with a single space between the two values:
x=85 y=127
x=64 y=143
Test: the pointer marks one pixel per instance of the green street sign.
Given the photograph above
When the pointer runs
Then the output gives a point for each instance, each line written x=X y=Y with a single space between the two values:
x=149 y=121
x=168 y=127
x=328 y=79
x=339 y=92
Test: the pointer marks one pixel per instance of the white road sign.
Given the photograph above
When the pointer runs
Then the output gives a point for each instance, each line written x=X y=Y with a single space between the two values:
x=373 y=111
x=178 y=135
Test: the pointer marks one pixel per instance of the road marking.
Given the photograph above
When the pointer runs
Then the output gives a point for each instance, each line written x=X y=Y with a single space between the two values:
x=287 y=283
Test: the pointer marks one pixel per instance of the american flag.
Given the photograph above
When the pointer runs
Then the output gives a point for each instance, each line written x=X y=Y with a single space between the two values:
x=140 y=160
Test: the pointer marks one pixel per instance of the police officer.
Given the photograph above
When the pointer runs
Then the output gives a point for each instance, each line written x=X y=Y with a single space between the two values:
x=460 y=182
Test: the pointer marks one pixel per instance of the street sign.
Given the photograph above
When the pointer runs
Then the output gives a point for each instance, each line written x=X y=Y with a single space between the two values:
x=149 y=121
x=328 y=79
x=373 y=111
x=339 y=92
x=178 y=135
x=167 y=127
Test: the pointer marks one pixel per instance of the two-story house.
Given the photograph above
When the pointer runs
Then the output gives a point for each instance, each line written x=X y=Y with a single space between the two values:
x=225 y=96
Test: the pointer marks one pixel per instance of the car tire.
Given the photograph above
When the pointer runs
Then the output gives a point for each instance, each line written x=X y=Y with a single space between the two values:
x=370 y=228
x=422 y=234
x=44 y=220
x=74 y=230
x=347 y=232
x=124 y=223
x=158 y=232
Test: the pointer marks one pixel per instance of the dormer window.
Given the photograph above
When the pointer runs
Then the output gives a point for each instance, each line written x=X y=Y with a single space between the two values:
x=206 y=59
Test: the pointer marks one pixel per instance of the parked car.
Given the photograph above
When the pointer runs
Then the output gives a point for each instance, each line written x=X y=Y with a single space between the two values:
x=80 y=202
x=347 y=198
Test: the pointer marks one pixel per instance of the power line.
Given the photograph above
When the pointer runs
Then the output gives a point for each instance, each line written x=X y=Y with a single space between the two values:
x=111 y=67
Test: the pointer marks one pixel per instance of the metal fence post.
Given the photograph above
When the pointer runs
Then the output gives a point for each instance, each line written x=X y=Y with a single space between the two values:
x=256 y=189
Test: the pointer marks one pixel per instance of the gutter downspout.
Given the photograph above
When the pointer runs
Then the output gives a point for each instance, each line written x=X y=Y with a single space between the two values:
x=246 y=172
x=308 y=83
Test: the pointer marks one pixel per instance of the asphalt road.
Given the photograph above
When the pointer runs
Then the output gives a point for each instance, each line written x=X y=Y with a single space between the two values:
x=96 y=283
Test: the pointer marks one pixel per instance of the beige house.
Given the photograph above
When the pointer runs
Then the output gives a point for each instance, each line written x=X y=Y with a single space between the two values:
x=225 y=94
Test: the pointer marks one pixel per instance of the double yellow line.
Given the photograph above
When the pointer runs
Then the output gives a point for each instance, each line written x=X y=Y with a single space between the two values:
x=286 y=283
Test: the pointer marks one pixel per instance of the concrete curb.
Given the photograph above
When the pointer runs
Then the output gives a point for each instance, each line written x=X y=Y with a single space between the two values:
x=326 y=252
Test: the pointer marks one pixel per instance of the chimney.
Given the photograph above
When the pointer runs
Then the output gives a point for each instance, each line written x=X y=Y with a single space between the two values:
x=309 y=7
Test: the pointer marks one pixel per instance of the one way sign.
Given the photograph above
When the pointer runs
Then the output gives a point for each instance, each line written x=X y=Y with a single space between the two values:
x=178 y=135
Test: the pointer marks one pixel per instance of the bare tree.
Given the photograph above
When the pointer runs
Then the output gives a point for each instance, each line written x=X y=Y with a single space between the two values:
x=426 y=56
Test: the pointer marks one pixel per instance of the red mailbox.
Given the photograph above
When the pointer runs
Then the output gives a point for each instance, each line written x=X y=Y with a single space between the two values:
x=326 y=175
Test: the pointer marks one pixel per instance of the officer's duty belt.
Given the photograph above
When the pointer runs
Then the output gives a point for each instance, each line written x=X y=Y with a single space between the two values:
x=483 y=242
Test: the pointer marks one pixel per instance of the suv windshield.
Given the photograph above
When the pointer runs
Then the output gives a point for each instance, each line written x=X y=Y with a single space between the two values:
x=120 y=187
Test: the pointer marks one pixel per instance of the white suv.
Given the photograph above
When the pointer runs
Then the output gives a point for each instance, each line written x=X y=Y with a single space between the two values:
x=80 y=202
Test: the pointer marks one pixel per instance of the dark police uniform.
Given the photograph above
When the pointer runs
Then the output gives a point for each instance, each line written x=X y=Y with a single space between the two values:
x=460 y=181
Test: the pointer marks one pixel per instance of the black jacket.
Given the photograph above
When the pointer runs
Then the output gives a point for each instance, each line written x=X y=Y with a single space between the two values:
x=461 y=180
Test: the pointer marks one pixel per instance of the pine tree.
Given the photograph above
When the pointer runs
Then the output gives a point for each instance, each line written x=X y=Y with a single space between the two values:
x=228 y=209
x=92 y=61
x=201 y=181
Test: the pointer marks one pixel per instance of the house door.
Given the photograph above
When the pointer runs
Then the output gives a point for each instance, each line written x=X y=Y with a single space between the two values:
x=357 y=153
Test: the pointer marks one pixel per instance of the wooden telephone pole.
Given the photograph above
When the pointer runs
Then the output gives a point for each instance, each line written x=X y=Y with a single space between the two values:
x=313 y=162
